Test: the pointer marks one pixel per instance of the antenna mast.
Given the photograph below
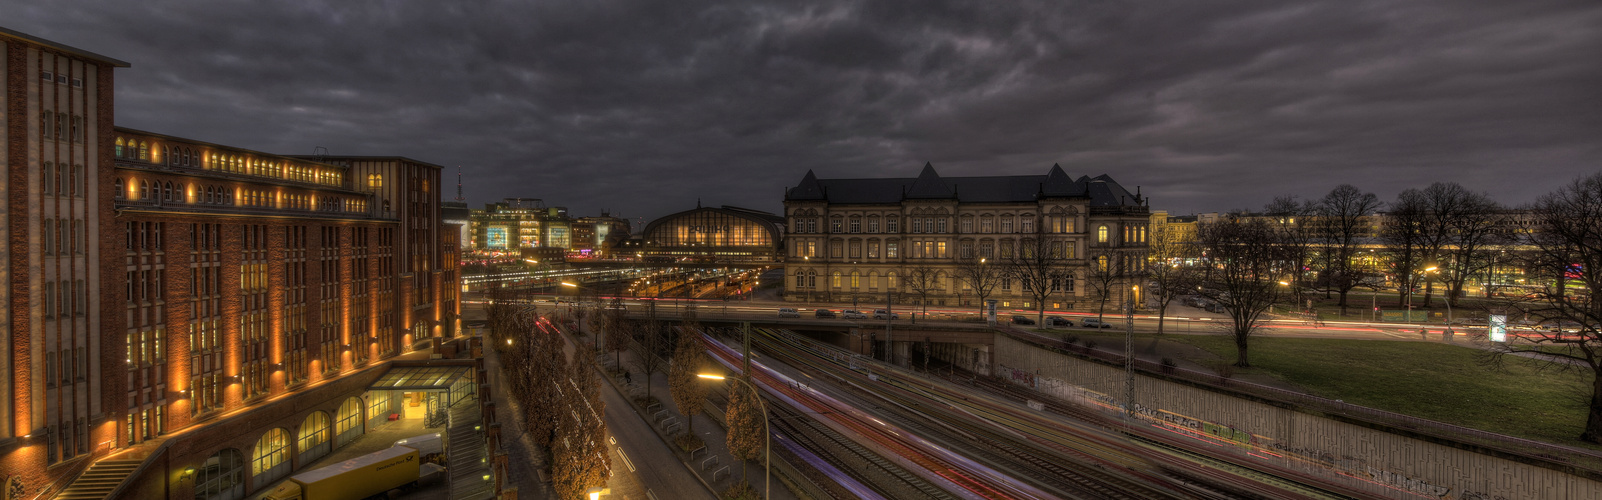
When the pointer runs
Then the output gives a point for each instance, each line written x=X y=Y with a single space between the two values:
x=459 y=183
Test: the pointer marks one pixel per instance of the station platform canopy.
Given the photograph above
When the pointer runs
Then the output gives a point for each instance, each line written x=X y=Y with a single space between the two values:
x=420 y=378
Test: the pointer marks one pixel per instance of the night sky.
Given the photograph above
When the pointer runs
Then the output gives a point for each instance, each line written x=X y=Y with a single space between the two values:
x=642 y=107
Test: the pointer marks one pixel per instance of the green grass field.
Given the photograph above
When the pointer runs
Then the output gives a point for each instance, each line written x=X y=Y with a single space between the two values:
x=1441 y=382
x=1435 y=381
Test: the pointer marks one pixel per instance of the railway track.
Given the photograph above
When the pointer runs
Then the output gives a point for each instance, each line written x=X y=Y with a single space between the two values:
x=1050 y=465
x=887 y=478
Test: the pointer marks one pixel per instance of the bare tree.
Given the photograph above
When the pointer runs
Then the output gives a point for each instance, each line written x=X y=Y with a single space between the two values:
x=648 y=346
x=923 y=279
x=1342 y=214
x=1243 y=262
x=1473 y=230
x=1173 y=270
x=1565 y=249
x=1037 y=265
x=1404 y=239
x=981 y=275
x=684 y=383
x=1294 y=221
x=1103 y=278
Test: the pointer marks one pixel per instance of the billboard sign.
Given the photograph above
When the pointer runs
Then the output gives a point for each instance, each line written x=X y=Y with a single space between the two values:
x=495 y=237
x=1498 y=328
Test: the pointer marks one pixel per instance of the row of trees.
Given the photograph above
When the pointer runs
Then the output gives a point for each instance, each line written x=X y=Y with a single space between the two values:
x=1041 y=268
x=560 y=397
x=1443 y=232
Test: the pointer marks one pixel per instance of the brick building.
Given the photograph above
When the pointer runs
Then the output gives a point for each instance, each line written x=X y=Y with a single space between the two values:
x=213 y=313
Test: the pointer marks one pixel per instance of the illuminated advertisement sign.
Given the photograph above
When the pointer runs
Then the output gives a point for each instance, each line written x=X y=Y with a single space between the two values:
x=1498 y=329
x=496 y=237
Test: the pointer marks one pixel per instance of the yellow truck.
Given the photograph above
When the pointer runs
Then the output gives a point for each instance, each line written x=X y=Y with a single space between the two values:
x=358 y=478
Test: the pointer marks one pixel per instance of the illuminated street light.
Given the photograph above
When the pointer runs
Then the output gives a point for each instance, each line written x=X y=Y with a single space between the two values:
x=767 y=433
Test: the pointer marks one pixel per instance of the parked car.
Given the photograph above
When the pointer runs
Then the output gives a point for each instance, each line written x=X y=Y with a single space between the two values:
x=823 y=313
x=1058 y=321
x=882 y=314
x=853 y=314
x=789 y=312
x=1022 y=320
x=1094 y=323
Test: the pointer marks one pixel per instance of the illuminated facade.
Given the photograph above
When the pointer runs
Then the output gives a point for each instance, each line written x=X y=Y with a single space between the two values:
x=724 y=235
x=858 y=239
x=61 y=394
x=162 y=284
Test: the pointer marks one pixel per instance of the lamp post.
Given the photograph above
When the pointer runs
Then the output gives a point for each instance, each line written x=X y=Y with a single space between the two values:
x=767 y=434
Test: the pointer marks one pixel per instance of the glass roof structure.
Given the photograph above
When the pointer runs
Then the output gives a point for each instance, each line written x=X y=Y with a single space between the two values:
x=420 y=378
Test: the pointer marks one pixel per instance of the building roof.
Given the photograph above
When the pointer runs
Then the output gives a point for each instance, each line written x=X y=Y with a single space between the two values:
x=5 y=33
x=1102 y=190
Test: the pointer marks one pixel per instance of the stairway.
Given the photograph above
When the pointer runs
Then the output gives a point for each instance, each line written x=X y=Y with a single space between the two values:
x=465 y=453
x=99 y=480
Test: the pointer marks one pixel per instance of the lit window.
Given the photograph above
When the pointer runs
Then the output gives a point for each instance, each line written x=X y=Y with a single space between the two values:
x=1101 y=234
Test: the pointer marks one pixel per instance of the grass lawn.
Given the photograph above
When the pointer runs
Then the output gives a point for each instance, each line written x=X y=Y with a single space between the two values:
x=1435 y=381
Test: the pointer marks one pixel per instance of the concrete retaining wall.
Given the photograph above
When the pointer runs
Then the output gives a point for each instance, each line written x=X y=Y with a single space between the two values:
x=1385 y=464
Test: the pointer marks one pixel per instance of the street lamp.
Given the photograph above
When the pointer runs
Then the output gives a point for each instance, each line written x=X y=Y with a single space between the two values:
x=767 y=434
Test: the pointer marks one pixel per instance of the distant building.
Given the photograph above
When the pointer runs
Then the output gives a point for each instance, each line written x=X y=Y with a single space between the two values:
x=457 y=213
x=857 y=239
x=726 y=235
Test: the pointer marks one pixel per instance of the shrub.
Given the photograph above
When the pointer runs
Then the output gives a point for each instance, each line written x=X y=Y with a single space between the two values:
x=688 y=442
x=742 y=491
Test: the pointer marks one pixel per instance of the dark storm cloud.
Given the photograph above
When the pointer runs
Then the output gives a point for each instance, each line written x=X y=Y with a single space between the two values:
x=644 y=107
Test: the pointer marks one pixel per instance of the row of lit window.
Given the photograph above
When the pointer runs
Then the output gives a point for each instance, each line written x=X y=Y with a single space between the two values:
x=133 y=149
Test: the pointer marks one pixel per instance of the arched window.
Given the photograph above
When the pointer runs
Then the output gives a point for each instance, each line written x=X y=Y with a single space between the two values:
x=47 y=174
x=834 y=279
x=166 y=192
x=812 y=279
x=890 y=280
x=211 y=194
x=1101 y=234
x=856 y=280
x=800 y=279
x=221 y=477
x=375 y=181
x=313 y=441
x=121 y=189
x=144 y=190
x=270 y=459
x=144 y=151
x=1101 y=263
x=348 y=423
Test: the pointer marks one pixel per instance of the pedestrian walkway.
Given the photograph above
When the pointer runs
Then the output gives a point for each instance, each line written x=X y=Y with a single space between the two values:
x=526 y=460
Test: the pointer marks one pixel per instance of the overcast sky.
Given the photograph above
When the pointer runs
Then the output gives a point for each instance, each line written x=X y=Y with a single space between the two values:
x=643 y=107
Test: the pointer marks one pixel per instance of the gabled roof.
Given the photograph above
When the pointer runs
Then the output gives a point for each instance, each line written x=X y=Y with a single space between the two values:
x=808 y=190
x=1102 y=190
x=929 y=186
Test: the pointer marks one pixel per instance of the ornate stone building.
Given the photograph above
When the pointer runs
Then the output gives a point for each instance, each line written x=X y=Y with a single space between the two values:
x=857 y=240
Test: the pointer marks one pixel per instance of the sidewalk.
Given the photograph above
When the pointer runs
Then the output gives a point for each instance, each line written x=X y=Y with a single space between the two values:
x=525 y=459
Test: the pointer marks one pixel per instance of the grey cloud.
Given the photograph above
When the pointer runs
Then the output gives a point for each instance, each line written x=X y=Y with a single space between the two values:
x=643 y=107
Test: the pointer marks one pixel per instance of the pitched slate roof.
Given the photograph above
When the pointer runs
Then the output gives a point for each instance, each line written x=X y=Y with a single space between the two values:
x=1102 y=190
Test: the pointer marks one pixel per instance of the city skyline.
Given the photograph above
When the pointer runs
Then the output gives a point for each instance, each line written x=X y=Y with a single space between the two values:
x=642 y=109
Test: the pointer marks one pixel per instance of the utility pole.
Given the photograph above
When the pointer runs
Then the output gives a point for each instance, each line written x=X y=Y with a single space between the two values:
x=889 y=355
x=1129 y=359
